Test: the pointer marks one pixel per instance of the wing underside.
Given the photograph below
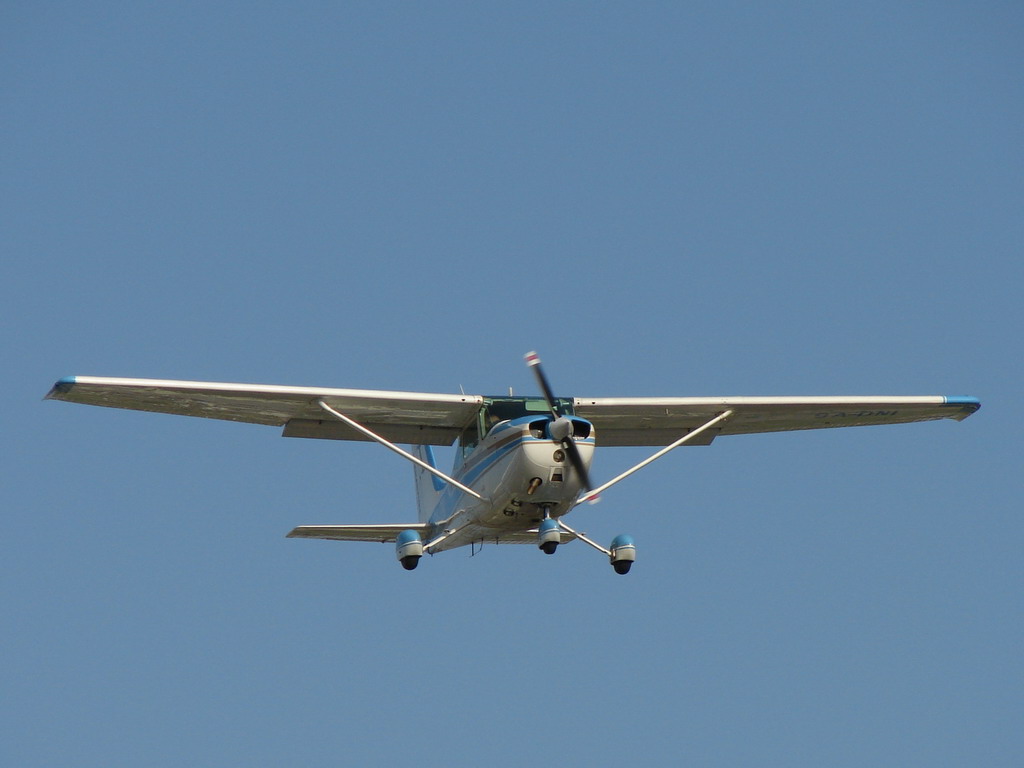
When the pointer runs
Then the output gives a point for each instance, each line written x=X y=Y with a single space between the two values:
x=402 y=417
x=659 y=421
x=438 y=419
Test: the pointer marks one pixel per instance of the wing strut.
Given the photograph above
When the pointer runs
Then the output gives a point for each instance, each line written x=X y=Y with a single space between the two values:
x=391 y=446
x=592 y=496
x=582 y=537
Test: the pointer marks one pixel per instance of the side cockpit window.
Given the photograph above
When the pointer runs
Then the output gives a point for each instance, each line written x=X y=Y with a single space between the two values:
x=469 y=440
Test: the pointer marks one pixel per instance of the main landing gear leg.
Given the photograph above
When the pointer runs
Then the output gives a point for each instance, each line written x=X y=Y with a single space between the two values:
x=621 y=555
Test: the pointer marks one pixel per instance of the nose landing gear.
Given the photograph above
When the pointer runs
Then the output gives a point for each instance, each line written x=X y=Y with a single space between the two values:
x=549 y=536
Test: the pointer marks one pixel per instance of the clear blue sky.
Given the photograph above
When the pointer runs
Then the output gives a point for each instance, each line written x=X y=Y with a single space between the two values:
x=663 y=199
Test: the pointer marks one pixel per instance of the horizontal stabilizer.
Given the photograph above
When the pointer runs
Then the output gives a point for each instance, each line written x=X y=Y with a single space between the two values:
x=523 y=537
x=389 y=532
x=380 y=533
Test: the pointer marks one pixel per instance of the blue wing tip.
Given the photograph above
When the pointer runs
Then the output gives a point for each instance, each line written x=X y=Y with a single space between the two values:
x=61 y=387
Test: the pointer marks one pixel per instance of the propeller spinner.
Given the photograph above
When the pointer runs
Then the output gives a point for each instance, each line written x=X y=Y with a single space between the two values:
x=561 y=427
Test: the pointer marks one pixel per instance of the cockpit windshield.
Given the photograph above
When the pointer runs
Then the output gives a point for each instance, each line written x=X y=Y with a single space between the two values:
x=499 y=409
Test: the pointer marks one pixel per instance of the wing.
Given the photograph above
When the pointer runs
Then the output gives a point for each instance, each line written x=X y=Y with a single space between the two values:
x=402 y=417
x=382 y=533
x=661 y=420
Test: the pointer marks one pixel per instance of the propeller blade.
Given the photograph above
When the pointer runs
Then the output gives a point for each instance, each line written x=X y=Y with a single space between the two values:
x=533 y=360
x=577 y=462
x=567 y=441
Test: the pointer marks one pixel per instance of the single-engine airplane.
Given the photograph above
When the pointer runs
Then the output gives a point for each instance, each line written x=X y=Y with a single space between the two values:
x=522 y=463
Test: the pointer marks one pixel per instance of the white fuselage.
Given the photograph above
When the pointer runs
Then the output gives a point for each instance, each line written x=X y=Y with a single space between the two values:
x=505 y=468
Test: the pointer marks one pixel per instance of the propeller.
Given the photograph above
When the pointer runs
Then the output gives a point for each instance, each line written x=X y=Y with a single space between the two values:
x=561 y=426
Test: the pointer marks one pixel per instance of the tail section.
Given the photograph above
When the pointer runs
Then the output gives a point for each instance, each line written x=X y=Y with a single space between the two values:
x=428 y=487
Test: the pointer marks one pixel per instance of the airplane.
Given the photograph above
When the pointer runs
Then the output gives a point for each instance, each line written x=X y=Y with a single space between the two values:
x=522 y=463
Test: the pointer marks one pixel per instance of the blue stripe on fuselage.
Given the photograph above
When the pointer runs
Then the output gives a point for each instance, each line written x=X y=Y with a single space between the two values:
x=497 y=452
x=478 y=467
